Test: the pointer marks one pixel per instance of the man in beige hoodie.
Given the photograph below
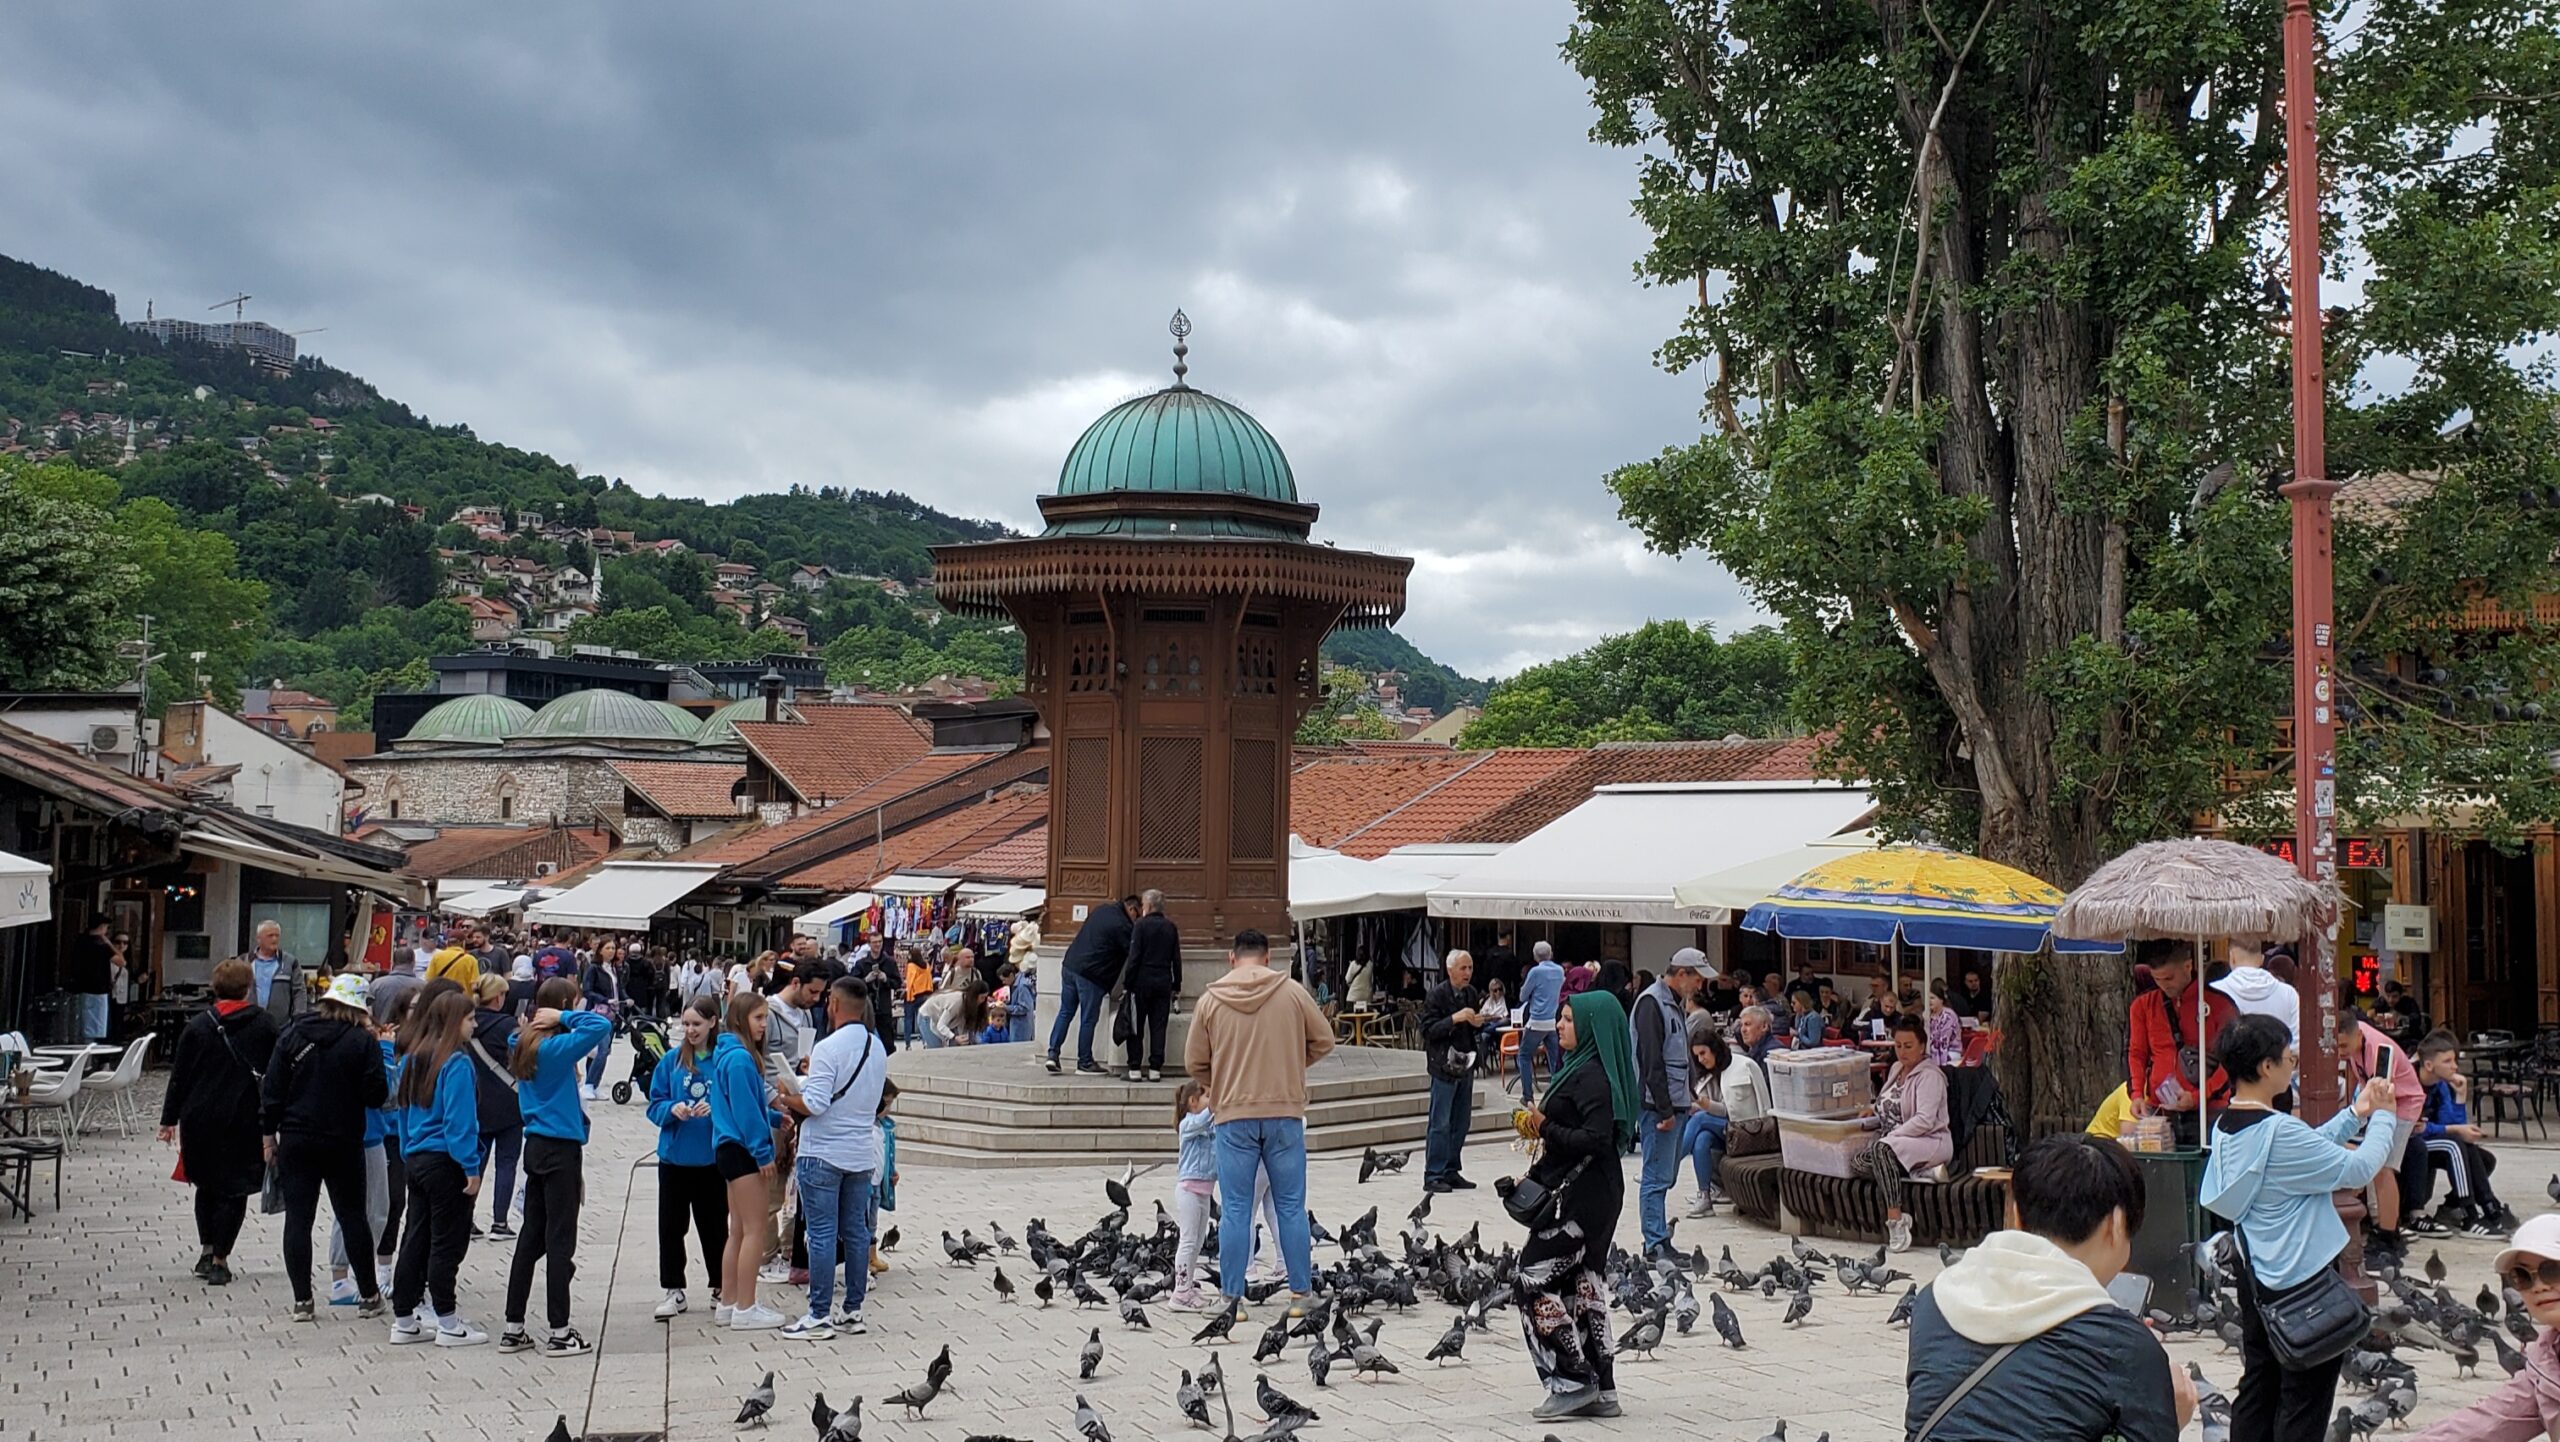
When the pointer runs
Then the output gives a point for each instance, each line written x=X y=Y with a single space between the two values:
x=1252 y=1039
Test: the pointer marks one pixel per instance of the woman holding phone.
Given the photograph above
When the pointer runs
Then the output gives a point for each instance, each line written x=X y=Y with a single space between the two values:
x=743 y=1121
x=554 y=1040
x=689 y=1183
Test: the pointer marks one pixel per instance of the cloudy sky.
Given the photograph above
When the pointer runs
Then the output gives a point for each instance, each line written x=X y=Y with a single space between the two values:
x=720 y=249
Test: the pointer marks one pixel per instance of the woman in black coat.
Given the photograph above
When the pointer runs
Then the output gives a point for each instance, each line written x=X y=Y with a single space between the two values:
x=1585 y=1125
x=211 y=1112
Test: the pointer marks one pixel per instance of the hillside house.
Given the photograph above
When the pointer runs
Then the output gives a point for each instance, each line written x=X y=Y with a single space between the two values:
x=490 y=620
x=734 y=574
x=477 y=517
x=810 y=579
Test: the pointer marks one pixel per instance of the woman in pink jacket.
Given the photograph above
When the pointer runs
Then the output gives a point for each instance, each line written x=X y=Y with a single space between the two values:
x=2528 y=1407
x=1911 y=1115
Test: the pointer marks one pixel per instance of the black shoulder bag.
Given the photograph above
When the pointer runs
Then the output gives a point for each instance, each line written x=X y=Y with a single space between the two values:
x=2313 y=1322
x=1537 y=1206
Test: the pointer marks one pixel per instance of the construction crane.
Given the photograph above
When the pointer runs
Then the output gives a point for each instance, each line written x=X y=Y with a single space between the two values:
x=238 y=303
x=315 y=330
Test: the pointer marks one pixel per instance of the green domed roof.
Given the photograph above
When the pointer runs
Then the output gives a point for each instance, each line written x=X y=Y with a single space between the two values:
x=475 y=720
x=1178 y=439
x=721 y=727
x=600 y=715
x=686 y=721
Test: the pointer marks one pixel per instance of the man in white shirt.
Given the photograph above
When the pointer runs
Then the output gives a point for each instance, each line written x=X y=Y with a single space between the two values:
x=839 y=1103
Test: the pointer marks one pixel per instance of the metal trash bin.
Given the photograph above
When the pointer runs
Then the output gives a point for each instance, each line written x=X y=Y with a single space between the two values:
x=2173 y=1221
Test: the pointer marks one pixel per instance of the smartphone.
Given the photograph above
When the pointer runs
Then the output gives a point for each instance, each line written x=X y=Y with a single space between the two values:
x=2382 y=1060
x=2132 y=1291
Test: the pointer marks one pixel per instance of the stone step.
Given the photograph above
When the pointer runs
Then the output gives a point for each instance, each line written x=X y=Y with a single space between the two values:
x=1013 y=1072
x=1153 y=1115
x=969 y=1145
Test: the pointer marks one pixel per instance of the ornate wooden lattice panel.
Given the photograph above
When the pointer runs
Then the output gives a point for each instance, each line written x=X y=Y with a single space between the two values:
x=1085 y=807
x=1088 y=661
x=1250 y=832
x=1174 y=666
x=1258 y=664
x=1254 y=882
x=1170 y=791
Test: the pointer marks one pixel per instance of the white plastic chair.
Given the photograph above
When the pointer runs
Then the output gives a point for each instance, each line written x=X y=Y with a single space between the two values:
x=59 y=1092
x=118 y=1084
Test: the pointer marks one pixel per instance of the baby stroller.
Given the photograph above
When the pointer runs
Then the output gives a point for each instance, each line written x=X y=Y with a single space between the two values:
x=648 y=1048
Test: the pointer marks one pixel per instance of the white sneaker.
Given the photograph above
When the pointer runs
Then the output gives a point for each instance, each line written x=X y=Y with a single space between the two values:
x=670 y=1304
x=851 y=1324
x=758 y=1318
x=588 y=1092
x=460 y=1334
x=1701 y=1206
x=721 y=1312
x=777 y=1270
x=1898 y=1234
x=406 y=1332
x=342 y=1292
x=811 y=1328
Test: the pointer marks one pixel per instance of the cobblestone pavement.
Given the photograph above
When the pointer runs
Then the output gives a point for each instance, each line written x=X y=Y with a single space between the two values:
x=106 y=1334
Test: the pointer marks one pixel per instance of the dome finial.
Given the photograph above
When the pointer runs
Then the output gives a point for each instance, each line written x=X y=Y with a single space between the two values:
x=1181 y=327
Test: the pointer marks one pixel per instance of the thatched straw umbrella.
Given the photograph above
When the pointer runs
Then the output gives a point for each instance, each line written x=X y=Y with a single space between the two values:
x=2202 y=888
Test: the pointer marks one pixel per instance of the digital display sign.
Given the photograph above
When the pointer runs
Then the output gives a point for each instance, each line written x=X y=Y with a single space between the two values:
x=2357 y=853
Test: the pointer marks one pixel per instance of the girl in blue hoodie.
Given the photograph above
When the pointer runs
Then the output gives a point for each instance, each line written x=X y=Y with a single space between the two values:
x=689 y=1184
x=440 y=1135
x=545 y=1064
x=743 y=1122
x=2271 y=1175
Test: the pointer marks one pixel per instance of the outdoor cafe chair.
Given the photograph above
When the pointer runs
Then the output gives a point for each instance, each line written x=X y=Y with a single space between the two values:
x=118 y=1084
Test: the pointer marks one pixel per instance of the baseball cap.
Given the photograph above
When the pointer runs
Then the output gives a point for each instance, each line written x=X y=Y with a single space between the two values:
x=2537 y=1238
x=347 y=989
x=1687 y=958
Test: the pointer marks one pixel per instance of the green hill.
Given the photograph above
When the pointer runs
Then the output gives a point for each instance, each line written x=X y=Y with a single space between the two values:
x=277 y=470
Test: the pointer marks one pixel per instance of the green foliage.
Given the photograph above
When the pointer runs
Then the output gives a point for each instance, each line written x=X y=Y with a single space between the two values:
x=1342 y=716
x=1665 y=681
x=1427 y=682
x=66 y=584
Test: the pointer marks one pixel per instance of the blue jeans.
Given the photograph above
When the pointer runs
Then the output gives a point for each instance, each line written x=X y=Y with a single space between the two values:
x=1277 y=1147
x=93 y=1015
x=1079 y=1001
x=1661 y=1147
x=1702 y=1139
x=1453 y=1103
x=836 y=1206
x=1017 y=1023
x=1535 y=1047
x=595 y=1062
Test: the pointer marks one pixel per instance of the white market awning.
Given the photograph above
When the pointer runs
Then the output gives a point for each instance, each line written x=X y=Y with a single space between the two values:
x=1617 y=856
x=494 y=898
x=903 y=884
x=1740 y=888
x=1017 y=902
x=26 y=890
x=623 y=895
x=823 y=920
x=320 y=867
x=1327 y=883
x=1442 y=860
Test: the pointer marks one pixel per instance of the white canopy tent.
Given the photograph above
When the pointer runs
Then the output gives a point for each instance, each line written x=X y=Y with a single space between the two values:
x=494 y=898
x=905 y=884
x=1012 y=903
x=1327 y=883
x=1441 y=860
x=26 y=890
x=623 y=895
x=1739 y=888
x=1618 y=856
x=820 y=922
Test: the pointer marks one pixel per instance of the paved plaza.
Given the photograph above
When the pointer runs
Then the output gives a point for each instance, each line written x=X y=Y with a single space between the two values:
x=107 y=1335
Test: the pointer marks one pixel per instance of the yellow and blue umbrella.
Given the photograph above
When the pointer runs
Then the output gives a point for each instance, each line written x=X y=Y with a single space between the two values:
x=1920 y=895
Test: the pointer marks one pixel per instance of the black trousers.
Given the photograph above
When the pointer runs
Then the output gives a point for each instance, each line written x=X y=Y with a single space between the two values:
x=218 y=1221
x=304 y=1165
x=387 y=1246
x=2272 y=1403
x=439 y=1234
x=696 y=1194
x=2466 y=1166
x=554 y=1184
x=1155 y=1015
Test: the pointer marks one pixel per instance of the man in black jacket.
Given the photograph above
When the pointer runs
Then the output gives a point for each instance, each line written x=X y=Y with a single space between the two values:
x=1154 y=974
x=1093 y=964
x=1449 y=1039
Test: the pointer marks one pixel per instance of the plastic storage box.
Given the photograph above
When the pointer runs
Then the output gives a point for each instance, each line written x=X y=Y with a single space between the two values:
x=1822 y=1081
x=1824 y=1146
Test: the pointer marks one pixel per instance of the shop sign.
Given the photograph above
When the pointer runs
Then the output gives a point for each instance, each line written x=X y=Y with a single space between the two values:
x=2355 y=853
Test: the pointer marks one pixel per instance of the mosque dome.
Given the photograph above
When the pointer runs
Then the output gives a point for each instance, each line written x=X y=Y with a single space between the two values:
x=601 y=715
x=476 y=720
x=686 y=722
x=1178 y=440
x=721 y=727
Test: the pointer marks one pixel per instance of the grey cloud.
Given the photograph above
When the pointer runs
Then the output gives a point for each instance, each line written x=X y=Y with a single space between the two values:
x=715 y=249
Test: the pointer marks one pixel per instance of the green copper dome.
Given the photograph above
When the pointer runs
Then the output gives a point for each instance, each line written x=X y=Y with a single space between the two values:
x=599 y=715
x=721 y=727
x=475 y=720
x=1178 y=439
x=686 y=722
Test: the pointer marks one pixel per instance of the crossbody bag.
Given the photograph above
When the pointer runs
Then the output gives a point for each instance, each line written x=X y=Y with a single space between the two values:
x=2313 y=1322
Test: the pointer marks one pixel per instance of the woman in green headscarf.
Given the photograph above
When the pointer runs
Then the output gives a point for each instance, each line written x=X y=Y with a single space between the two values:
x=1585 y=1125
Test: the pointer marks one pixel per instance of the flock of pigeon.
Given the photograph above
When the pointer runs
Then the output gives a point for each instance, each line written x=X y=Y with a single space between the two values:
x=1115 y=1266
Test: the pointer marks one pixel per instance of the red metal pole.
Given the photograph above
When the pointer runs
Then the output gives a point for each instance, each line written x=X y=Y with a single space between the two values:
x=2315 y=765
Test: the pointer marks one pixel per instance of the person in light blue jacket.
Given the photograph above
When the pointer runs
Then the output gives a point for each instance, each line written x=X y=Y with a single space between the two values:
x=689 y=1185
x=553 y=1041
x=743 y=1121
x=2271 y=1174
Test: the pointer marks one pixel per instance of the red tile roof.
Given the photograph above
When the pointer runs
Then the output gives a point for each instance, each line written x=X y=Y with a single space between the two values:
x=1492 y=779
x=684 y=790
x=337 y=747
x=838 y=748
x=502 y=853
x=932 y=845
x=1335 y=796
x=1625 y=762
x=1024 y=858
x=852 y=815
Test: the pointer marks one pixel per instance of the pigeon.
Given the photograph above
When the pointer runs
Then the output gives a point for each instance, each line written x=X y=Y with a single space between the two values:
x=1220 y=1324
x=1799 y=1307
x=955 y=1254
x=1368 y=1361
x=1134 y=1315
x=560 y=1430
x=1213 y=1378
x=2435 y=1265
x=938 y=1371
x=1281 y=1429
x=1275 y=1340
x=2486 y=1304
x=2213 y=1409
x=2508 y=1357
x=889 y=1240
x=2342 y=1428
x=1374 y=1162
x=1042 y=1290
x=1118 y=1191
x=1452 y=1343
x=753 y=1406
x=1193 y=1402
x=915 y=1398
x=1901 y=1316
x=1276 y=1404
x=1004 y=1244
x=821 y=1416
x=1004 y=1286
x=1089 y=1422
x=1643 y=1337
x=1319 y=1362
x=1728 y=1326
x=1777 y=1432
x=847 y=1425
x=1421 y=1209
x=1091 y=1357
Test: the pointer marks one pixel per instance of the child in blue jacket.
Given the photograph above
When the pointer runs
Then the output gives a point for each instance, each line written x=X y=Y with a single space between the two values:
x=689 y=1184
x=440 y=1135
x=743 y=1121
x=547 y=1052
x=2448 y=1141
